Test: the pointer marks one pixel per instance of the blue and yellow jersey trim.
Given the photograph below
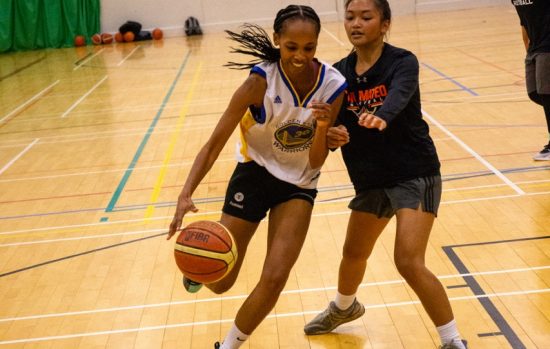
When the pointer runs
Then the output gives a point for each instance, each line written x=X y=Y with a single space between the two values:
x=297 y=101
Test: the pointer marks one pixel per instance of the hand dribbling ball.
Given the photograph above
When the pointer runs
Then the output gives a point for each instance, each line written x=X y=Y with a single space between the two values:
x=205 y=251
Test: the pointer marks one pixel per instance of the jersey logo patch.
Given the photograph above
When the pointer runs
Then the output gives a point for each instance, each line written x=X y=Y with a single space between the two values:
x=293 y=136
x=278 y=100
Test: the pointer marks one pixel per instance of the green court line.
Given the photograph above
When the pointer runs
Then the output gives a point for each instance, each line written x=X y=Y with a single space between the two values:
x=139 y=151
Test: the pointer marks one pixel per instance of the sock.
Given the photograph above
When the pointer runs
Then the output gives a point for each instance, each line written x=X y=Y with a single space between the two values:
x=234 y=338
x=449 y=334
x=343 y=302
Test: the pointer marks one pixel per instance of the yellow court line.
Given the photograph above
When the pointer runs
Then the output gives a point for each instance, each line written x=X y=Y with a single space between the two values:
x=174 y=137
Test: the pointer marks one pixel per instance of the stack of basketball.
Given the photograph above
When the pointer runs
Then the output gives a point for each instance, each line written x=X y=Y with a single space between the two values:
x=107 y=38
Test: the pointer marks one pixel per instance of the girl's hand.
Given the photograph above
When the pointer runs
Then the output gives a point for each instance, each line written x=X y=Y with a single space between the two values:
x=372 y=121
x=321 y=113
x=337 y=136
x=185 y=204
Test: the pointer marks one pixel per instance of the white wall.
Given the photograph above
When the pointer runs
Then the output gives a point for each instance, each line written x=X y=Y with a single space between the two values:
x=213 y=15
x=445 y=5
x=216 y=15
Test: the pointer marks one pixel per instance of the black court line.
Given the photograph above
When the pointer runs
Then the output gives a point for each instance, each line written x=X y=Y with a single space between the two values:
x=505 y=329
x=490 y=334
x=457 y=286
x=79 y=254
x=20 y=69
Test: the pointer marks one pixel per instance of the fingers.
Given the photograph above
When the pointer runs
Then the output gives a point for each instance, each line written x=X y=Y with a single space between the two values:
x=174 y=227
x=184 y=205
x=372 y=121
x=321 y=112
x=339 y=131
x=337 y=136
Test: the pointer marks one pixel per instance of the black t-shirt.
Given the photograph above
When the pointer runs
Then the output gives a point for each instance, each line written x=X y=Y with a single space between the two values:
x=389 y=90
x=534 y=15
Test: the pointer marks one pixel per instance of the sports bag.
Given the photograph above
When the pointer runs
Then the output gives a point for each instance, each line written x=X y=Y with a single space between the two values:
x=192 y=26
x=130 y=26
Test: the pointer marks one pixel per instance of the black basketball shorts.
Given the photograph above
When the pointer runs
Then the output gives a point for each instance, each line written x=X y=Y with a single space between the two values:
x=252 y=191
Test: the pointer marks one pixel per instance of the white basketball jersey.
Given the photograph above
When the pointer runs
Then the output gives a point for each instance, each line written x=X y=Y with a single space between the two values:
x=278 y=136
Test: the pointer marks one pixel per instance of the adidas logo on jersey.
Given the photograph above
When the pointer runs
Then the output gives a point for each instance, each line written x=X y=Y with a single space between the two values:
x=278 y=100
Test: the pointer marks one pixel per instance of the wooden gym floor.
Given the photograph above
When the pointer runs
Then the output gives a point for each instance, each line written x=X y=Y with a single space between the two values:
x=96 y=142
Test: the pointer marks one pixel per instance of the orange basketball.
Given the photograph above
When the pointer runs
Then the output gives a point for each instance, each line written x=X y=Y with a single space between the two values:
x=119 y=37
x=205 y=251
x=96 y=39
x=157 y=34
x=107 y=38
x=129 y=36
x=79 y=40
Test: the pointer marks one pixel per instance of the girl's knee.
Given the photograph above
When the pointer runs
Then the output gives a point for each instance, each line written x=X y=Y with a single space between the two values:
x=223 y=285
x=355 y=253
x=274 y=282
x=409 y=268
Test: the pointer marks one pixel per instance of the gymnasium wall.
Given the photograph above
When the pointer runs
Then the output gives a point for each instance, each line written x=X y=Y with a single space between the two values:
x=445 y=5
x=216 y=15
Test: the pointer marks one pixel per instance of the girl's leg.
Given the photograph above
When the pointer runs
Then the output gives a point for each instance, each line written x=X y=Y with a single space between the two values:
x=288 y=225
x=413 y=231
x=362 y=233
x=242 y=231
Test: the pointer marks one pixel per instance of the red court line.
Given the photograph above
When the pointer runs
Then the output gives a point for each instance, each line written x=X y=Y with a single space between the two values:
x=490 y=63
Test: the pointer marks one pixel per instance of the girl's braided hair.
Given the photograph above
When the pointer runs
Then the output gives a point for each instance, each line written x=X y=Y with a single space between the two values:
x=254 y=40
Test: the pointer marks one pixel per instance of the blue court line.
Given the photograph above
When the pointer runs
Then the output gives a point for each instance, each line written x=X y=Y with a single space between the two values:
x=450 y=79
x=505 y=328
x=139 y=151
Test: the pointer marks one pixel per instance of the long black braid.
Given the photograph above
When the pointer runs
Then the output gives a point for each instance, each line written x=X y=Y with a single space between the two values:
x=254 y=40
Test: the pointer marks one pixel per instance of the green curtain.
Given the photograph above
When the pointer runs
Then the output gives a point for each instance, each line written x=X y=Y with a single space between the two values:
x=36 y=24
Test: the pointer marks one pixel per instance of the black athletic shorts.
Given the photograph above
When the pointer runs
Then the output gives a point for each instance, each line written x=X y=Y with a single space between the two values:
x=252 y=191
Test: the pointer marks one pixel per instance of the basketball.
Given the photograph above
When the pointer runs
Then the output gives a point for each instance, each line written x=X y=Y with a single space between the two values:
x=79 y=40
x=118 y=37
x=205 y=251
x=96 y=39
x=157 y=34
x=107 y=38
x=129 y=36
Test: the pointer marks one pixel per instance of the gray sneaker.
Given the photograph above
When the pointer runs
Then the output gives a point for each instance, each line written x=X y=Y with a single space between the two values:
x=452 y=346
x=333 y=317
